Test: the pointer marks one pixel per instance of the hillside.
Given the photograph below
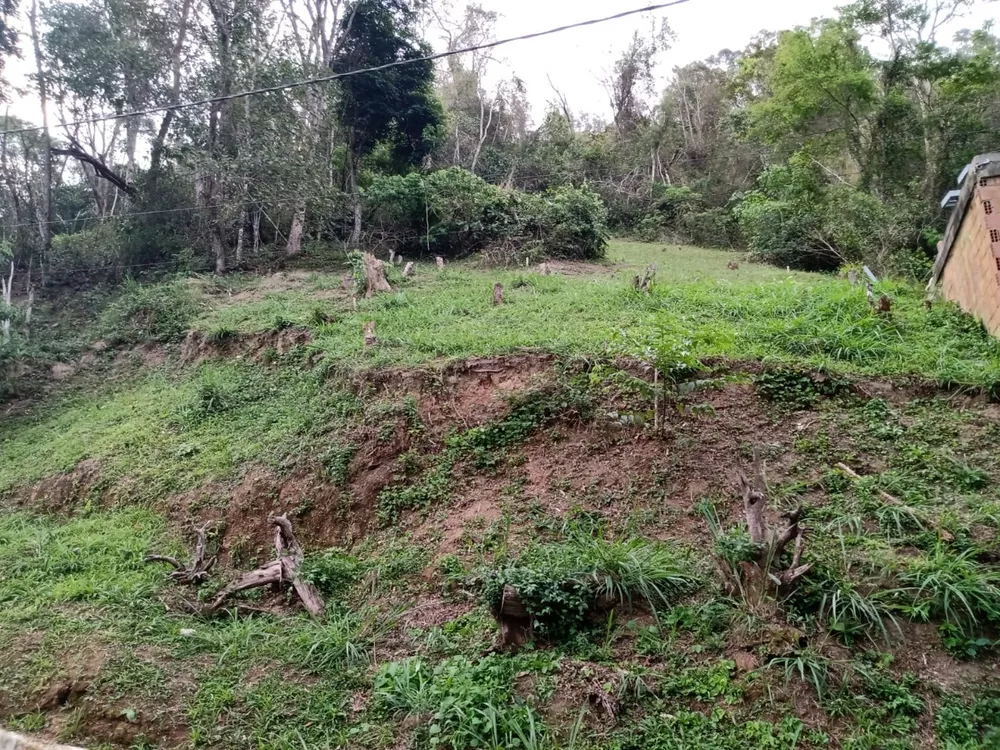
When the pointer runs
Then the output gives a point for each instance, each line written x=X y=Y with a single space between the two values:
x=479 y=448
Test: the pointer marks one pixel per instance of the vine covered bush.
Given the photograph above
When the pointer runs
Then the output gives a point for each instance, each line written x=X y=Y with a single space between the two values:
x=452 y=212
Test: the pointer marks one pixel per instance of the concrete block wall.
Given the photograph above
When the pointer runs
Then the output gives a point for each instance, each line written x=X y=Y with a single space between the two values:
x=972 y=275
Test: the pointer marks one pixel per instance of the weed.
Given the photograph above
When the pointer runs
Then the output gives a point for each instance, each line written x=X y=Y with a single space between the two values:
x=469 y=704
x=706 y=684
x=337 y=462
x=850 y=612
x=333 y=571
x=972 y=723
x=560 y=583
x=141 y=313
x=221 y=335
x=715 y=730
x=797 y=389
x=810 y=667
x=951 y=586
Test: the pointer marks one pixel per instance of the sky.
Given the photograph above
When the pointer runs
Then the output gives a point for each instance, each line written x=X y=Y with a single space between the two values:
x=576 y=60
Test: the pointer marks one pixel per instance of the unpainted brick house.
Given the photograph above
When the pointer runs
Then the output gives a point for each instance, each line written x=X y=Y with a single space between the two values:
x=968 y=263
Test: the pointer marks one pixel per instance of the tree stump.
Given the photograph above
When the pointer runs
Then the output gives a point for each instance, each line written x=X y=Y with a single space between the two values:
x=375 y=278
x=644 y=284
x=763 y=580
x=283 y=569
x=498 y=294
x=370 y=339
x=517 y=626
x=408 y=271
x=440 y=262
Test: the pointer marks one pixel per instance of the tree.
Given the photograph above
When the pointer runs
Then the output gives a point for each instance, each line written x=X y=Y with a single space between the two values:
x=632 y=78
x=8 y=38
x=396 y=106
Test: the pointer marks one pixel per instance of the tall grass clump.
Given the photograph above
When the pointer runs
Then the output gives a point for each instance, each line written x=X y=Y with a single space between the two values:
x=953 y=587
x=560 y=584
x=149 y=313
x=468 y=704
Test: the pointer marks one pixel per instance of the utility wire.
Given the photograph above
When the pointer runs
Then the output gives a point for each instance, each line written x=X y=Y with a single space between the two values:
x=351 y=73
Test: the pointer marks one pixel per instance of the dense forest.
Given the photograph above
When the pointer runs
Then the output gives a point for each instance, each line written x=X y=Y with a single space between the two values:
x=810 y=148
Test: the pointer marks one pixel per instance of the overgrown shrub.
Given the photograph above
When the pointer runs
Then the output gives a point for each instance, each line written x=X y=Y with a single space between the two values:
x=144 y=313
x=560 y=584
x=94 y=253
x=795 y=216
x=452 y=212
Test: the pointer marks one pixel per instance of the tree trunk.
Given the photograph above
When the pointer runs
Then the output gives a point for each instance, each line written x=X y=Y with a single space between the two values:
x=294 y=245
x=45 y=226
x=156 y=154
x=239 y=237
x=352 y=177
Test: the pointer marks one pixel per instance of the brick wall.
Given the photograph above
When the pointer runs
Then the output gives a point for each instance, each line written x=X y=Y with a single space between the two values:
x=972 y=275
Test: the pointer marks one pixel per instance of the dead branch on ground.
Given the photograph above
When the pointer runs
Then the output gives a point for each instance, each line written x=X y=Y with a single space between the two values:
x=198 y=570
x=283 y=569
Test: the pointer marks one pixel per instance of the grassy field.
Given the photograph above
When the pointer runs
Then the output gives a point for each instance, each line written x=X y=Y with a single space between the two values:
x=421 y=495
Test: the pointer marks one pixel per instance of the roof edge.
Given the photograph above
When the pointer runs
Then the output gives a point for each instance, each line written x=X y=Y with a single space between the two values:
x=984 y=165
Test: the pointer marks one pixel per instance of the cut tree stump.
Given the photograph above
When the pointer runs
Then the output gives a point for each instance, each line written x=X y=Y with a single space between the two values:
x=440 y=262
x=375 y=278
x=408 y=271
x=370 y=338
x=517 y=626
x=644 y=284
x=498 y=294
x=764 y=580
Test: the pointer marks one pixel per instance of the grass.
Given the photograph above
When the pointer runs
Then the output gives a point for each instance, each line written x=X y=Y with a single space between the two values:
x=380 y=668
x=757 y=312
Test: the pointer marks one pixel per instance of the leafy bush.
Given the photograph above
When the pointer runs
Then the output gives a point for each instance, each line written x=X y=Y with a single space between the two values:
x=560 y=584
x=149 y=313
x=333 y=571
x=572 y=223
x=452 y=212
x=796 y=217
x=969 y=723
x=91 y=253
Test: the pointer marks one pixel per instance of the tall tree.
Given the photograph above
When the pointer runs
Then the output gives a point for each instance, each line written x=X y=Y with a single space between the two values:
x=395 y=106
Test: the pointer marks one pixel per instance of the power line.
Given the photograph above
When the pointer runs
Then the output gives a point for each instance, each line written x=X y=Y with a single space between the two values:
x=351 y=73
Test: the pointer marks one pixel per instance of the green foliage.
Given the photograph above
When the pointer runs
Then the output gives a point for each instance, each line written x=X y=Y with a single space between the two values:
x=716 y=730
x=561 y=583
x=395 y=107
x=468 y=704
x=949 y=585
x=333 y=571
x=337 y=461
x=98 y=561
x=969 y=723
x=797 y=388
x=149 y=313
x=452 y=212
x=795 y=217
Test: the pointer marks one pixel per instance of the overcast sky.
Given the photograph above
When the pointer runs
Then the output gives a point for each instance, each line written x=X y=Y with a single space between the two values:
x=575 y=60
